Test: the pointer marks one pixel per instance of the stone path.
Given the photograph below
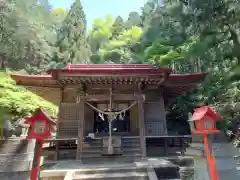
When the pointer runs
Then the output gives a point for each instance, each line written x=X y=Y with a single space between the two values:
x=226 y=165
x=166 y=168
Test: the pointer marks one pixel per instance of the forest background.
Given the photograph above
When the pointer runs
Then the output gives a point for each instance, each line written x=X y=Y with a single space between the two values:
x=190 y=36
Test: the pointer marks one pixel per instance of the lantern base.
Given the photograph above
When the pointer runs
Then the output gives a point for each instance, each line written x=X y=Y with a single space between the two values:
x=212 y=131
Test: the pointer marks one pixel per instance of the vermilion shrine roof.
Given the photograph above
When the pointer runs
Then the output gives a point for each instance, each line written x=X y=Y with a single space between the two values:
x=174 y=84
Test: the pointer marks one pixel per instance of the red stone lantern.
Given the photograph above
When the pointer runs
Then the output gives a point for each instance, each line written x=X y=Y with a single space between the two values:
x=41 y=125
x=204 y=119
x=40 y=129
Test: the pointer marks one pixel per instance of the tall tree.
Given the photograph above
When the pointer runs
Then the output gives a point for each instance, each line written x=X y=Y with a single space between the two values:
x=134 y=19
x=118 y=27
x=71 y=38
x=26 y=35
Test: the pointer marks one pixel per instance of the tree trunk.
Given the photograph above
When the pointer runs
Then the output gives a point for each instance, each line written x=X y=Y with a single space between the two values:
x=236 y=45
x=2 y=61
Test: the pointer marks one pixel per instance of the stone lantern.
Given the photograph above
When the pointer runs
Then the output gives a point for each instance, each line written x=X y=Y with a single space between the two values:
x=204 y=119
x=41 y=125
x=40 y=129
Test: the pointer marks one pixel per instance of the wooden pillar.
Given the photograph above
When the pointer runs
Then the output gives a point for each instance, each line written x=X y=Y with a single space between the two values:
x=60 y=108
x=56 y=155
x=141 y=127
x=80 y=129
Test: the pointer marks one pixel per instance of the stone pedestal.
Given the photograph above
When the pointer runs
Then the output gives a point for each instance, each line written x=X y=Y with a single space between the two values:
x=116 y=143
x=16 y=158
x=224 y=153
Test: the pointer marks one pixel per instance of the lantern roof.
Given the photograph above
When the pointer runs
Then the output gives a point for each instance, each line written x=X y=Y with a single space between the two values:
x=205 y=111
x=40 y=114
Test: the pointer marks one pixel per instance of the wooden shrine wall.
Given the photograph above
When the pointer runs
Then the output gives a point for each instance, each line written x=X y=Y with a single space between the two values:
x=68 y=96
x=154 y=114
x=134 y=120
x=69 y=116
x=89 y=119
x=68 y=119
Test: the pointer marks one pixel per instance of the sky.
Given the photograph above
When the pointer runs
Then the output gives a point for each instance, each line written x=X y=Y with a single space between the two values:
x=100 y=8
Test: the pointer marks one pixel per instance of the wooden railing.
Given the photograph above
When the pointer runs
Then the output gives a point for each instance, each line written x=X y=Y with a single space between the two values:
x=156 y=145
x=167 y=145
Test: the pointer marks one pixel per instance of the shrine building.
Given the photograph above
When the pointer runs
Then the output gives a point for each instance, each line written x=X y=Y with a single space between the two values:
x=130 y=96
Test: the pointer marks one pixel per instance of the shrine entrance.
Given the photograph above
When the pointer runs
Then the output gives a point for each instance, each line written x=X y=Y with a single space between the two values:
x=120 y=125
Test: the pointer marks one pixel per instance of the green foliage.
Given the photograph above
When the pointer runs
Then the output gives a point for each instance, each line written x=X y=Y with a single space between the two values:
x=118 y=27
x=71 y=38
x=17 y=101
x=188 y=36
x=26 y=35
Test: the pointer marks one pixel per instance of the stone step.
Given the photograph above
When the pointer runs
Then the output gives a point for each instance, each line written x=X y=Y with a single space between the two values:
x=96 y=144
x=134 y=141
x=88 y=155
x=130 y=139
x=124 y=146
x=98 y=153
x=93 y=141
x=113 y=176
x=186 y=172
x=127 y=145
x=100 y=145
x=130 y=146
x=92 y=150
x=124 y=151
x=168 y=172
x=131 y=153
x=110 y=159
x=93 y=155
x=127 y=155
x=181 y=161
x=110 y=170
x=133 y=149
x=237 y=159
x=92 y=147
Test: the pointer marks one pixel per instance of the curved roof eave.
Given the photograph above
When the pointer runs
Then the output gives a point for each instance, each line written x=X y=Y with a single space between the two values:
x=181 y=79
x=110 y=70
x=180 y=84
x=48 y=88
x=41 y=85
x=109 y=67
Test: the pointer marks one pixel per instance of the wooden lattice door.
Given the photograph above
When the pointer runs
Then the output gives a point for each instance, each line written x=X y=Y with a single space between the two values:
x=69 y=117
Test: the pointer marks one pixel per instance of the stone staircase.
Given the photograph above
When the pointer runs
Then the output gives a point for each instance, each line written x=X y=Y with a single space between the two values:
x=127 y=173
x=237 y=160
x=131 y=147
x=186 y=166
x=152 y=169
x=92 y=151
